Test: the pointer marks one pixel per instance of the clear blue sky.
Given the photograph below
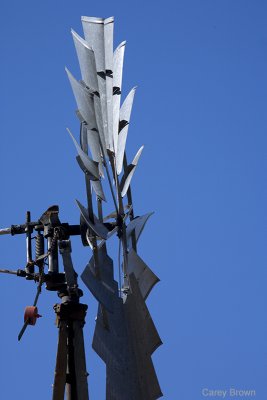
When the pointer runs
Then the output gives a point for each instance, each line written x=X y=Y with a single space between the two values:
x=200 y=111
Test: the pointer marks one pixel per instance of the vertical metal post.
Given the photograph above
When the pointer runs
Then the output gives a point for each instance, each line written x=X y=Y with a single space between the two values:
x=53 y=257
x=29 y=268
x=71 y=386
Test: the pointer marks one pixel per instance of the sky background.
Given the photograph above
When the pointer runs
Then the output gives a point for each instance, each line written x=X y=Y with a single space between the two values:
x=200 y=111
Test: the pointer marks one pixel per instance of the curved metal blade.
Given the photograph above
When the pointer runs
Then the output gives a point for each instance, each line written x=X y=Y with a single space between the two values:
x=126 y=179
x=87 y=62
x=94 y=35
x=103 y=287
x=125 y=115
x=84 y=100
x=137 y=225
x=145 y=277
x=90 y=165
x=117 y=83
x=92 y=140
x=99 y=35
x=97 y=186
x=125 y=343
x=97 y=227
x=100 y=124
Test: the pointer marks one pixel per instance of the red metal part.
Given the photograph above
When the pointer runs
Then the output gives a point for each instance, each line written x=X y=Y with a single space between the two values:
x=31 y=315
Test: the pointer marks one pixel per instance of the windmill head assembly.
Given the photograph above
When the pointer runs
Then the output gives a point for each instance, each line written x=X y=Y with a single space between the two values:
x=125 y=336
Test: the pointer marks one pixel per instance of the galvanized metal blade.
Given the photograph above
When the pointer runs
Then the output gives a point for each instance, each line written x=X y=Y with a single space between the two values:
x=125 y=343
x=108 y=41
x=98 y=189
x=125 y=115
x=97 y=227
x=94 y=35
x=100 y=124
x=144 y=340
x=145 y=277
x=84 y=100
x=90 y=165
x=111 y=343
x=87 y=62
x=101 y=284
x=137 y=225
x=117 y=84
x=99 y=35
x=127 y=177
x=93 y=141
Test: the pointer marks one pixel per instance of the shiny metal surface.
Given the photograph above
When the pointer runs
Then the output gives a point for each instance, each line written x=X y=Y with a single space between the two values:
x=132 y=167
x=84 y=100
x=125 y=115
x=90 y=165
x=87 y=62
x=117 y=84
x=97 y=227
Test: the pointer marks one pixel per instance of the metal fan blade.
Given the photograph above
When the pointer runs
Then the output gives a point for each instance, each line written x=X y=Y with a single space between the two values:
x=97 y=186
x=84 y=100
x=145 y=277
x=90 y=165
x=103 y=287
x=137 y=225
x=126 y=179
x=114 y=215
x=126 y=347
x=99 y=38
x=112 y=346
x=126 y=108
x=90 y=138
x=108 y=40
x=93 y=141
x=145 y=340
x=102 y=130
x=117 y=83
x=87 y=62
x=97 y=227
x=99 y=35
x=125 y=115
x=153 y=340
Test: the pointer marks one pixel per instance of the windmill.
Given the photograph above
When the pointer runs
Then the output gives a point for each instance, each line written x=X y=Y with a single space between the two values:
x=125 y=336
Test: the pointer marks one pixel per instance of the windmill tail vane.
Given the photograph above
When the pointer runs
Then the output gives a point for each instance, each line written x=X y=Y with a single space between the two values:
x=125 y=336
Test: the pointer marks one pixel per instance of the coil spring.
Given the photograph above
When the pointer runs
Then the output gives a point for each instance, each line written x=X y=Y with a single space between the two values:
x=39 y=245
x=54 y=240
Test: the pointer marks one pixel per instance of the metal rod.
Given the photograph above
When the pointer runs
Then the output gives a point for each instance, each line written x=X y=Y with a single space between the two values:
x=53 y=255
x=109 y=178
x=73 y=230
x=119 y=197
x=5 y=231
x=8 y=271
x=130 y=202
x=100 y=209
x=28 y=229
x=89 y=199
x=26 y=323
